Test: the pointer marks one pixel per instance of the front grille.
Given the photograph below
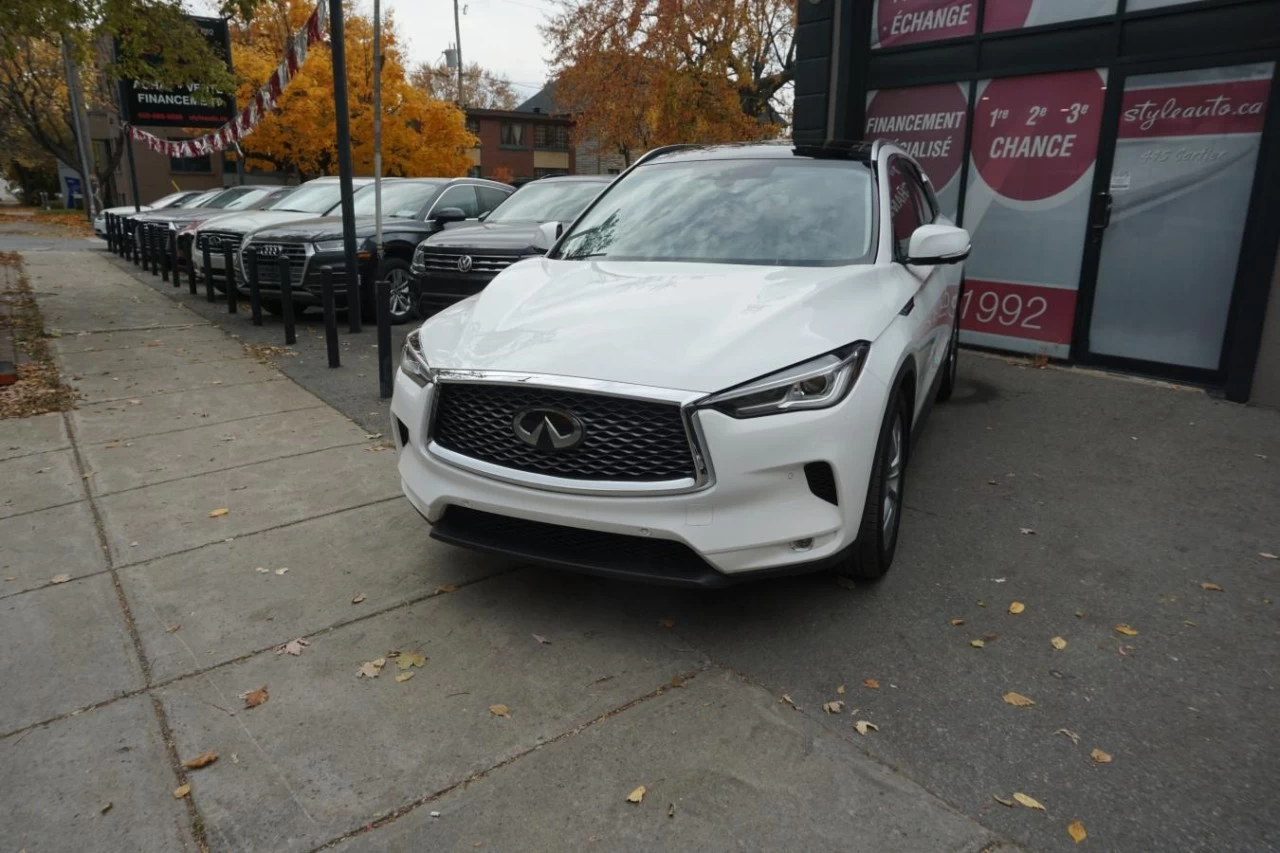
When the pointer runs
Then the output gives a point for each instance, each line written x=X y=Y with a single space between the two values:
x=437 y=260
x=269 y=265
x=218 y=242
x=625 y=439
x=614 y=554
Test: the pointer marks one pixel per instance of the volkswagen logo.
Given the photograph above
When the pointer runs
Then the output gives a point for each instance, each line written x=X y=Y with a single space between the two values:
x=548 y=429
x=213 y=241
x=268 y=250
x=464 y=263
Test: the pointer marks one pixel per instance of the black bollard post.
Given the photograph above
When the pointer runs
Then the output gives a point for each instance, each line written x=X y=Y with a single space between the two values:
x=286 y=301
x=208 y=274
x=330 y=316
x=382 y=293
x=229 y=279
x=172 y=253
x=144 y=252
x=191 y=267
x=353 y=302
x=113 y=231
x=111 y=243
x=255 y=295
x=154 y=244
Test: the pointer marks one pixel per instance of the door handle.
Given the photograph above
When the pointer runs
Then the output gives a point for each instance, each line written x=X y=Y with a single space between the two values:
x=1102 y=218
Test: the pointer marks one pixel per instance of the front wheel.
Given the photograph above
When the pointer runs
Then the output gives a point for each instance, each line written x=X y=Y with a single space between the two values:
x=873 y=552
x=403 y=291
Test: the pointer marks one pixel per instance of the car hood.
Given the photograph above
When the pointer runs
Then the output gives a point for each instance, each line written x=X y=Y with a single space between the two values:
x=244 y=221
x=127 y=208
x=180 y=214
x=328 y=228
x=487 y=236
x=696 y=327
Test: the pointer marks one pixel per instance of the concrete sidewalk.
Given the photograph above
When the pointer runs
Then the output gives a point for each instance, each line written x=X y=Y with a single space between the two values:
x=171 y=611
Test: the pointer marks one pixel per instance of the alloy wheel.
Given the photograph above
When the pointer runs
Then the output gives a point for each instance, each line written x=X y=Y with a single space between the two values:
x=892 y=484
x=401 y=298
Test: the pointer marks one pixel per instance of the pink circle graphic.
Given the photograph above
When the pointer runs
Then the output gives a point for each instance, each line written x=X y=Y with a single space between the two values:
x=1035 y=136
x=927 y=121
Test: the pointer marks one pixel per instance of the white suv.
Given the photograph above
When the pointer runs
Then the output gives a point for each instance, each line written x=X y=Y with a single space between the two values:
x=713 y=374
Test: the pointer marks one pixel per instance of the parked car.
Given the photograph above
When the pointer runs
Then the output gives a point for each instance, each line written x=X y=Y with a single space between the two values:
x=170 y=200
x=714 y=374
x=159 y=222
x=129 y=219
x=459 y=261
x=413 y=208
x=313 y=198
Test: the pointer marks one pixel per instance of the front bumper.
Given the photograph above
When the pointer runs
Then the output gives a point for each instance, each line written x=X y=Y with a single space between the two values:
x=757 y=515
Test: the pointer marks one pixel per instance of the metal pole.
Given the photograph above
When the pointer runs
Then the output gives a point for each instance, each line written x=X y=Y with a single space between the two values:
x=383 y=292
x=171 y=256
x=286 y=300
x=255 y=294
x=191 y=268
x=80 y=126
x=457 y=35
x=133 y=173
x=377 y=136
x=208 y=274
x=337 y=37
x=330 y=316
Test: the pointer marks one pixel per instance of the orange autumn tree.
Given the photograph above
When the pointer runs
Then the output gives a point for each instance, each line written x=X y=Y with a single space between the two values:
x=642 y=73
x=421 y=136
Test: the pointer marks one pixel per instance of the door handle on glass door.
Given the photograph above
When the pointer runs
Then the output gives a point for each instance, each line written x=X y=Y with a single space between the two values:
x=1103 y=216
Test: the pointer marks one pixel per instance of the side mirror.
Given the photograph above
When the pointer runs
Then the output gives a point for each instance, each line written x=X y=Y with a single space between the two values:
x=937 y=244
x=445 y=215
x=484 y=216
x=547 y=235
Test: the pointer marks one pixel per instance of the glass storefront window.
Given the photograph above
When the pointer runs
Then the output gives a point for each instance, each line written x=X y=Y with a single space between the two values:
x=929 y=123
x=1020 y=14
x=1034 y=143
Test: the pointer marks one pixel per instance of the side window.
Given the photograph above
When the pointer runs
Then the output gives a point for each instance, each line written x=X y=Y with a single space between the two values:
x=903 y=212
x=925 y=199
x=490 y=198
x=462 y=197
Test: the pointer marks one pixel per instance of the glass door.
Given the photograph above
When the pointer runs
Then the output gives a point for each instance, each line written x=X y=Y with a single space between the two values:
x=1171 y=217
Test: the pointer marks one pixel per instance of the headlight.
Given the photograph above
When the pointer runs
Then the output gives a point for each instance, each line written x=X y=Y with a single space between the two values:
x=412 y=361
x=190 y=227
x=419 y=264
x=329 y=246
x=816 y=384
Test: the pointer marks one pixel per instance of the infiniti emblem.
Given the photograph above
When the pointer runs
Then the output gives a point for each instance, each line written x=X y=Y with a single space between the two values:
x=464 y=263
x=548 y=429
x=213 y=240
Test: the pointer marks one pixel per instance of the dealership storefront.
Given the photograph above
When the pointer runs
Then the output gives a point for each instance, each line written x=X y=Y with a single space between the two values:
x=1115 y=161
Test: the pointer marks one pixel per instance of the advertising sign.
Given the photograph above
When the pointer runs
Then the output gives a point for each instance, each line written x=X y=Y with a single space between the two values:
x=1033 y=148
x=929 y=123
x=1020 y=14
x=178 y=107
x=1186 y=149
x=899 y=22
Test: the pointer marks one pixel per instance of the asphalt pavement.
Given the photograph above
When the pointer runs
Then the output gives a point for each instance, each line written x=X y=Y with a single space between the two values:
x=1129 y=519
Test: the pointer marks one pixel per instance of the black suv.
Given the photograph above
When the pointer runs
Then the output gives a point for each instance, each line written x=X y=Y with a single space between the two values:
x=460 y=260
x=412 y=209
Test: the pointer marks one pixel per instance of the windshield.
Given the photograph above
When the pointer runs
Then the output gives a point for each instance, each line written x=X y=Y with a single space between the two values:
x=244 y=200
x=403 y=200
x=203 y=199
x=310 y=198
x=169 y=200
x=557 y=201
x=765 y=211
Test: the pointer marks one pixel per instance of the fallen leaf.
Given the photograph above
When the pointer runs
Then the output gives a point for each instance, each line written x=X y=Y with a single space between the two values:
x=871 y=684
x=172 y=628
x=135 y=402
x=677 y=681
x=181 y=791
x=1075 y=738
x=667 y=622
x=358 y=598
x=263 y=570
x=219 y=512
x=1100 y=756
x=404 y=660
x=863 y=727
x=1076 y=830
x=501 y=710
x=1002 y=801
x=1027 y=531
x=1058 y=643
x=59 y=578
x=446 y=587
x=1079 y=614
x=840 y=690
x=404 y=676
x=293 y=647
x=282 y=570
x=671 y=810
x=1189 y=623
x=1018 y=700
x=1016 y=607
x=833 y=707
x=977 y=644
x=1029 y=802
x=371 y=668
x=371 y=436
x=637 y=795
x=542 y=640
x=982 y=604
x=786 y=698
x=202 y=760
x=1268 y=556
x=1210 y=587
x=957 y=622
x=1126 y=630
x=105 y=808
x=254 y=698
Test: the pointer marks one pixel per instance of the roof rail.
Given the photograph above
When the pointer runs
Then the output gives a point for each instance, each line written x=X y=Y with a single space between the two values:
x=663 y=149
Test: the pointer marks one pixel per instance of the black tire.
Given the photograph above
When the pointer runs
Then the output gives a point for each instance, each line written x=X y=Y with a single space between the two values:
x=870 y=557
x=950 y=365
x=404 y=292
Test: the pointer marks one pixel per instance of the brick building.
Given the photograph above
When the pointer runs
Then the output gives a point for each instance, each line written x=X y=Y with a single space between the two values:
x=528 y=144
